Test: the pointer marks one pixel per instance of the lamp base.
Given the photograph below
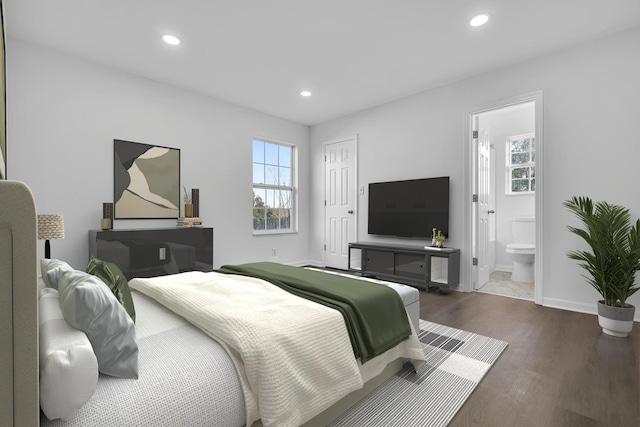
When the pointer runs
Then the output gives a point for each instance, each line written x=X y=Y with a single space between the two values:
x=47 y=249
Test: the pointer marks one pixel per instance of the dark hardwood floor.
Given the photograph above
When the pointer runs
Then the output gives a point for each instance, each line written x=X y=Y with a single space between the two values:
x=558 y=370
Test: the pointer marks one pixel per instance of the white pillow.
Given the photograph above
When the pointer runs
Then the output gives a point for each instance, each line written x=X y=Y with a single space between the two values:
x=68 y=366
x=48 y=268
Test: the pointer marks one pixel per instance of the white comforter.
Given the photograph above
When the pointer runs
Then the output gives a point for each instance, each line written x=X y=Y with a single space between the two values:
x=294 y=357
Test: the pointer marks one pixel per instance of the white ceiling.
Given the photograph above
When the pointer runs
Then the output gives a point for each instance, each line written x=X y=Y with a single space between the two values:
x=352 y=54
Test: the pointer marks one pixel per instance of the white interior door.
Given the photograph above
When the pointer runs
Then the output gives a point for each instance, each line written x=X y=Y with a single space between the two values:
x=469 y=271
x=340 y=202
x=483 y=207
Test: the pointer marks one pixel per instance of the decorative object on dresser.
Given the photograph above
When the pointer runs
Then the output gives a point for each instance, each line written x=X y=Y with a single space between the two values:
x=50 y=227
x=440 y=239
x=154 y=252
x=188 y=205
x=107 y=216
x=189 y=222
x=195 y=199
x=613 y=261
x=413 y=265
x=146 y=181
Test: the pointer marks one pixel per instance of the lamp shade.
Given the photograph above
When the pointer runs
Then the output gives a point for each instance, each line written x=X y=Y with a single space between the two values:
x=50 y=227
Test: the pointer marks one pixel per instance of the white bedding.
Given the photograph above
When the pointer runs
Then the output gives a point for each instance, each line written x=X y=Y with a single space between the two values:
x=185 y=378
x=293 y=356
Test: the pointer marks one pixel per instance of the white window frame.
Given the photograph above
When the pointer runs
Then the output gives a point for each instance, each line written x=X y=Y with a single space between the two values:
x=509 y=166
x=293 y=225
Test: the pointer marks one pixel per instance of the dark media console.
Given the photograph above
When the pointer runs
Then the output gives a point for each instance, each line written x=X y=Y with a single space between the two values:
x=412 y=265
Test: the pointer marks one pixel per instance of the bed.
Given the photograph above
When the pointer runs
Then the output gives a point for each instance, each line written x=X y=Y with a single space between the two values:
x=185 y=377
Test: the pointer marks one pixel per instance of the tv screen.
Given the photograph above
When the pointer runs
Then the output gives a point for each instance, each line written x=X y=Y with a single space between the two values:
x=410 y=208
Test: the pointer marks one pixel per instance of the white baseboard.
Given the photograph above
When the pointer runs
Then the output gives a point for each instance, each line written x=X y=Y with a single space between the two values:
x=507 y=268
x=578 y=307
x=570 y=305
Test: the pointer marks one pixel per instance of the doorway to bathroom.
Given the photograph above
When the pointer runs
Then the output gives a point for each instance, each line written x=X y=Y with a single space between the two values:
x=506 y=163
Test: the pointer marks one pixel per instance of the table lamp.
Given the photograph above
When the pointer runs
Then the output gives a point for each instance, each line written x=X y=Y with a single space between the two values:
x=50 y=227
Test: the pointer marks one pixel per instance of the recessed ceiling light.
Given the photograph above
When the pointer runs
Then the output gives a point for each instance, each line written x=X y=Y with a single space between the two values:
x=479 y=20
x=172 y=40
x=305 y=93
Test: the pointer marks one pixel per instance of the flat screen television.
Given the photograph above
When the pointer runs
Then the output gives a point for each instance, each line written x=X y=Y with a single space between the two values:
x=410 y=208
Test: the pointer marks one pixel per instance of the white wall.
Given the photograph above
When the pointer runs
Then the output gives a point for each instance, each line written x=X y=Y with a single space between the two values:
x=591 y=109
x=63 y=115
x=501 y=124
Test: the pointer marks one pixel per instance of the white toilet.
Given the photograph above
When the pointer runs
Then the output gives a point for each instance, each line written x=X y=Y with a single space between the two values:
x=523 y=249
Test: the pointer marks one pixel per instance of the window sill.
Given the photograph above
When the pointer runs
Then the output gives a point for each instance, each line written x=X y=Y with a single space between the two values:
x=522 y=193
x=272 y=232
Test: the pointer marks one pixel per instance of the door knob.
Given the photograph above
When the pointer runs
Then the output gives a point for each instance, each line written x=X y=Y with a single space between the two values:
x=350 y=212
x=491 y=211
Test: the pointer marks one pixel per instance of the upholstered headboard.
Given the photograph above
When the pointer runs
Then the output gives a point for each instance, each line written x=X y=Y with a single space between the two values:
x=18 y=307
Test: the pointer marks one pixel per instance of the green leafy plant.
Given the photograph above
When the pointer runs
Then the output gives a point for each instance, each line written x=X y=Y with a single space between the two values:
x=615 y=248
x=186 y=197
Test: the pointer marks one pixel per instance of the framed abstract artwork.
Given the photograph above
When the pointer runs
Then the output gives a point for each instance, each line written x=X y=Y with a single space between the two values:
x=146 y=181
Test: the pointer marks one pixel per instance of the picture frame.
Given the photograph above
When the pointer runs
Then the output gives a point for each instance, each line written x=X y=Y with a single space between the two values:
x=146 y=181
x=3 y=106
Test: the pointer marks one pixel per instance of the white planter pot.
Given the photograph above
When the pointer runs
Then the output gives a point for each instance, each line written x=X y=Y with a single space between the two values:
x=616 y=321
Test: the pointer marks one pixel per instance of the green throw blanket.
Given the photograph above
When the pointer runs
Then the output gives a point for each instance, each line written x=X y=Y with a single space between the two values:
x=374 y=314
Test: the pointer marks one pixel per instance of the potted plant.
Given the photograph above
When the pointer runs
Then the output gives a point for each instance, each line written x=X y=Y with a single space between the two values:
x=188 y=206
x=440 y=239
x=613 y=261
x=437 y=238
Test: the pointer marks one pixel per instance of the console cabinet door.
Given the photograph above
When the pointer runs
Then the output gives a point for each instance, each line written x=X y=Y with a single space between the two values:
x=411 y=266
x=378 y=261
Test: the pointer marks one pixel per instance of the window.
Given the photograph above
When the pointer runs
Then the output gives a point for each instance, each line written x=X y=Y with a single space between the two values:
x=521 y=164
x=273 y=187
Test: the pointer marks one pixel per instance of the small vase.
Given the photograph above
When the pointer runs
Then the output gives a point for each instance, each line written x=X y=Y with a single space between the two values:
x=105 y=224
x=188 y=210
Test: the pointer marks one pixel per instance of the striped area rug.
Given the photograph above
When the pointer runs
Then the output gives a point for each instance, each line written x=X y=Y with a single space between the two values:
x=456 y=363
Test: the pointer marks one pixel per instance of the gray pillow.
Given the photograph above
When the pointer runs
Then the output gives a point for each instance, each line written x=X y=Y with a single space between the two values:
x=88 y=304
x=48 y=270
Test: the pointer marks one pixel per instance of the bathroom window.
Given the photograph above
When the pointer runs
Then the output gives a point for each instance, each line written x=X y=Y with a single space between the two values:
x=521 y=164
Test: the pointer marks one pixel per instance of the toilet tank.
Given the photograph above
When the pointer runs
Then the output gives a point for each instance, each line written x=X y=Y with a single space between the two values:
x=523 y=230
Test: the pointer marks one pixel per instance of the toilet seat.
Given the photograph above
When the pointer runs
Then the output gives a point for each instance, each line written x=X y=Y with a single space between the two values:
x=521 y=248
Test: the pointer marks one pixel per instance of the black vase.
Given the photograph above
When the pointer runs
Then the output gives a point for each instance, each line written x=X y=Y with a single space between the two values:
x=107 y=213
x=195 y=199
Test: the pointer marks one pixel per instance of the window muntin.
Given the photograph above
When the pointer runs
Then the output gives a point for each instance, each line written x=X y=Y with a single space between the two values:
x=273 y=190
x=521 y=164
